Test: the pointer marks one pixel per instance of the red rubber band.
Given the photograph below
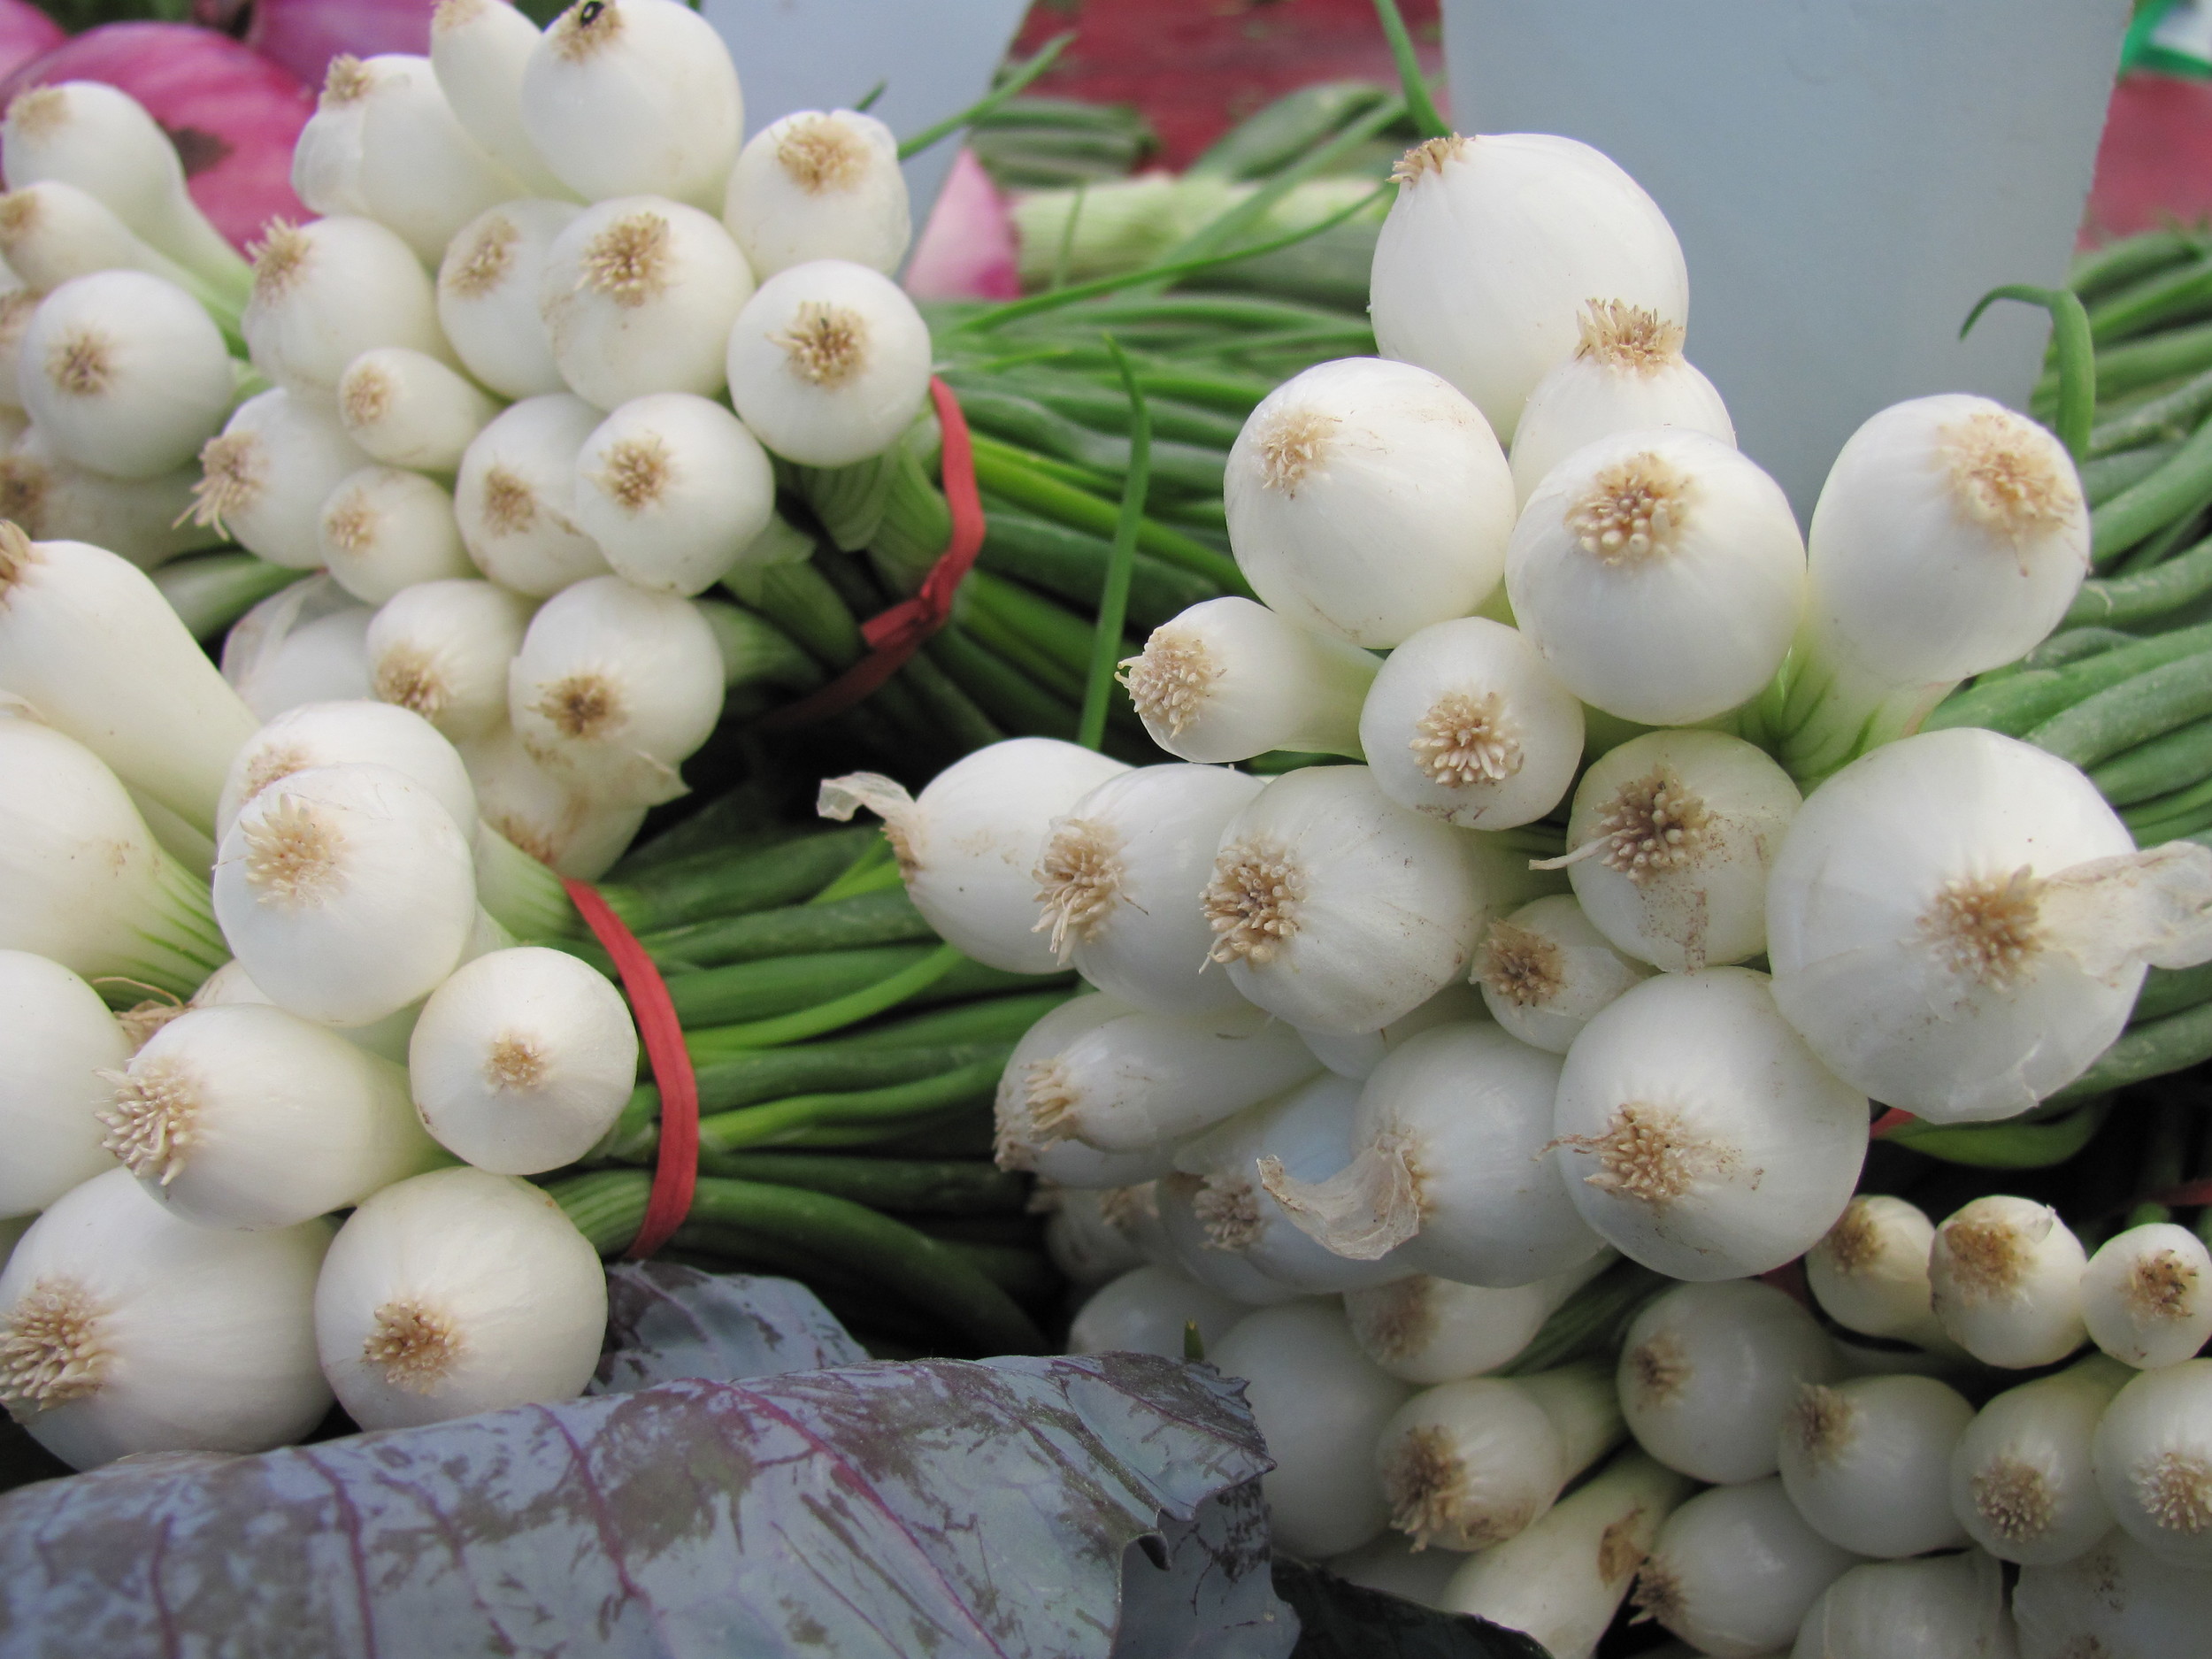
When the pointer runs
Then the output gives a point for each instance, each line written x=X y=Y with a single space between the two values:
x=676 y=1168
x=1888 y=1124
x=898 y=633
x=2186 y=1196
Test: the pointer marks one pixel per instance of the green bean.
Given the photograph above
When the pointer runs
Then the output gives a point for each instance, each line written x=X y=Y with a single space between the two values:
x=1000 y=1018
x=2170 y=416
x=2017 y=1145
x=2107 y=475
x=1102 y=412
x=869 y=918
x=2016 y=704
x=2146 y=362
x=754 y=990
x=2162 y=766
x=2150 y=1049
x=2175 y=488
x=713 y=883
x=2170 y=296
x=955 y=716
x=1018 y=479
x=2129 y=259
x=1072 y=564
x=855 y=984
x=2174 y=826
x=2186 y=528
x=1279 y=132
x=2127 y=714
x=780 y=1122
x=842 y=1235
x=915 y=1187
x=1000 y=688
x=2076 y=645
x=1022 y=1271
x=2145 y=596
x=2169 y=990
x=1025 y=421
x=2182 y=803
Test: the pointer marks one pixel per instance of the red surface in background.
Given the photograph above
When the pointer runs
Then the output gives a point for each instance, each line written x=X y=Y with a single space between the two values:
x=2155 y=162
x=1194 y=67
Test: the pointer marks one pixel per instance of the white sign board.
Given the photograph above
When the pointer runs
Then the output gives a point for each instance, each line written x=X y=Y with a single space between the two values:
x=933 y=58
x=1847 y=177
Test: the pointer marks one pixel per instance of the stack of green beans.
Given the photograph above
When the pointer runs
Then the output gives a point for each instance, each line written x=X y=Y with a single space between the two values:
x=845 y=1062
x=2124 y=689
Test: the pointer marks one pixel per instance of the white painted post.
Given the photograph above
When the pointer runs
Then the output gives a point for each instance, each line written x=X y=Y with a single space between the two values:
x=1847 y=177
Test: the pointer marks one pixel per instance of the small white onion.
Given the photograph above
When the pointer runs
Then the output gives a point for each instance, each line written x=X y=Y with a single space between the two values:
x=522 y=1060
x=126 y=1329
x=488 y=294
x=2146 y=1295
x=556 y=824
x=1321 y=1404
x=441 y=649
x=1868 y=1463
x=1734 y=1570
x=1709 y=1372
x=454 y=1292
x=2152 y=1455
x=269 y=472
x=329 y=291
x=1950 y=1608
x=1545 y=971
x=384 y=529
x=820 y=185
x=1467 y=723
x=1627 y=374
x=969 y=843
x=1369 y=499
x=515 y=494
x=1188 y=1215
x=1661 y=573
x=1697 y=1133
x=2117 y=1598
x=1426 y=1330
x=1119 y=881
x=338 y=734
x=1228 y=680
x=1146 y=1311
x=829 y=362
x=408 y=408
x=1869 y=1273
x=1019 y=1143
x=2023 y=1480
x=673 y=488
x=2004 y=1275
x=55 y=1036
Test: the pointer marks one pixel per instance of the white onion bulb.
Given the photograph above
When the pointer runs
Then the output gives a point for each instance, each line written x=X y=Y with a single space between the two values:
x=2146 y=1295
x=2118 y=1597
x=1369 y=499
x=269 y=472
x=384 y=529
x=55 y=1036
x=407 y=409
x=488 y=293
x=1734 y=1570
x=340 y=734
x=1145 y=1310
x=126 y=1329
x=820 y=185
x=1868 y=1463
x=454 y=1292
x=515 y=495
x=2004 y=1275
x=329 y=291
x=124 y=374
x=1545 y=971
x=1426 y=1330
x=2153 y=1456
x=1467 y=723
x=1869 y=1273
x=968 y=844
x=829 y=362
x=1952 y=1607
x=673 y=488
x=441 y=649
x=1228 y=680
x=2023 y=1480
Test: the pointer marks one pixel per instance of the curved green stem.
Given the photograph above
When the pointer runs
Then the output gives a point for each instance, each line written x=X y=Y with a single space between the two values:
x=2072 y=344
x=1419 y=103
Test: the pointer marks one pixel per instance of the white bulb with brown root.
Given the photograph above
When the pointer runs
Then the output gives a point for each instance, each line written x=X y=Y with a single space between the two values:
x=1229 y=679
x=1709 y=1373
x=348 y=892
x=1950 y=1607
x=2146 y=1295
x=244 y=1116
x=1337 y=909
x=266 y=478
x=441 y=649
x=1870 y=1272
x=820 y=185
x=522 y=1060
x=1368 y=500
x=383 y=529
x=1453 y=1169
x=346 y=734
x=454 y=1292
x=1868 y=1463
x=829 y=362
x=1661 y=573
x=1495 y=247
x=384 y=143
x=2152 y=1455
x=1699 y=1135
x=124 y=373
x=1627 y=374
x=673 y=488
x=1422 y=1329
x=1959 y=923
x=1118 y=883
x=970 y=843
x=488 y=293
x=619 y=97
x=55 y=1036
x=2117 y=1597
x=407 y=409
x=1465 y=723
x=561 y=827
x=2023 y=1481
x=1025 y=1086
x=326 y=291
x=1563 y=1579
x=1671 y=837
x=515 y=496
x=127 y=1329
x=639 y=294
x=1734 y=1570
x=2005 y=1277
x=1545 y=971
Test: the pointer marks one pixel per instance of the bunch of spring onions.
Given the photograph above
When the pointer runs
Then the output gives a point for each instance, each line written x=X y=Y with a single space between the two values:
x=1623 y=890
